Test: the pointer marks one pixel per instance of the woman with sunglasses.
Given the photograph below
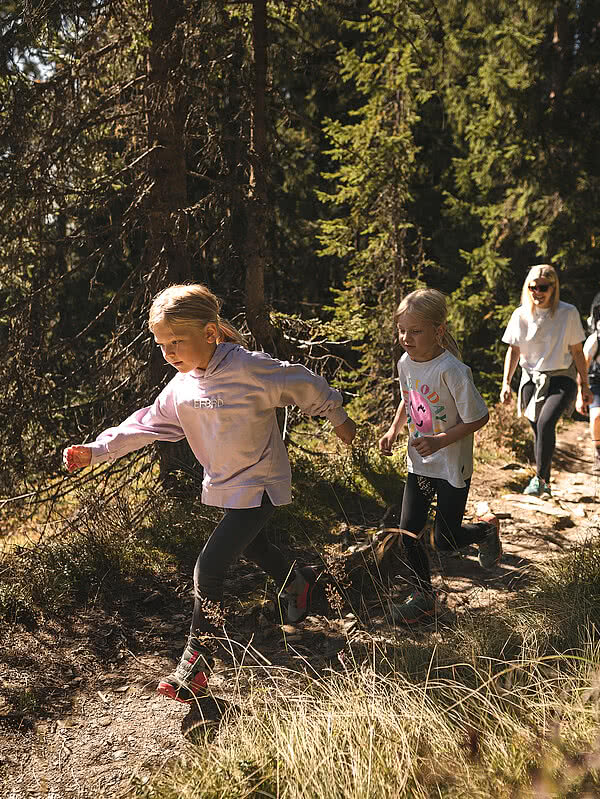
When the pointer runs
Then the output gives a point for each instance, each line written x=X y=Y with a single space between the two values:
x=545 y=337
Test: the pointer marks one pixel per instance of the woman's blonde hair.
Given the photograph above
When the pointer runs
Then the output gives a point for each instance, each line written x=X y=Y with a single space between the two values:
x=548 y=272
x=191 y=305
x=430 y=306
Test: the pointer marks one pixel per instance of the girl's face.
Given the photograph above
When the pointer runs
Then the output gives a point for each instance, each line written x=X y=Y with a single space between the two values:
x=541 y=291
x=420 y=338
x=186 y=348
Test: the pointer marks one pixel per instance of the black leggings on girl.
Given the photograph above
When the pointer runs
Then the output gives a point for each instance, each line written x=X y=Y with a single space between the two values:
x=561 y=393
x=449 y=532
x=240 y=532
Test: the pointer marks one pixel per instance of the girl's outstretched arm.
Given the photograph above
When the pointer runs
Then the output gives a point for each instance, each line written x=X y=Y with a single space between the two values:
x=157 y=422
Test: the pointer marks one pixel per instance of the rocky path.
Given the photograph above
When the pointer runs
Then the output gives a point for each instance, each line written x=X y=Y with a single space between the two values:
x=105 y=731
x=532 y=529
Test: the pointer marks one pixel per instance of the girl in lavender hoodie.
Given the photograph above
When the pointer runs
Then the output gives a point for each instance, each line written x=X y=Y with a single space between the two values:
x=222 y=400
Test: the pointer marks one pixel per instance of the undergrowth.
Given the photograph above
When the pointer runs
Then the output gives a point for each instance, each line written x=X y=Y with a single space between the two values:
x=500 y=702
x=503 y=704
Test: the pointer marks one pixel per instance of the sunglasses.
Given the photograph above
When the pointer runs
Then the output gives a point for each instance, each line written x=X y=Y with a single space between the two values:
x=543 y=287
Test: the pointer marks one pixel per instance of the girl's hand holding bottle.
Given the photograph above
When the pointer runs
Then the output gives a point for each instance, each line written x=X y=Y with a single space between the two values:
x=77 y=457
x=425 y=445
x=346 y=431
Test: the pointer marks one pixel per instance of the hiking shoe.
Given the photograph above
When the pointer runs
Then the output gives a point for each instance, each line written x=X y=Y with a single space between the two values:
x=190 y=679
x=537 y=487
x=490 y=548
x=298 y=595
x=417 y=607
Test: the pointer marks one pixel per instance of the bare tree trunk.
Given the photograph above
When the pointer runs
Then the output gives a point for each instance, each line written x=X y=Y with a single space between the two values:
x=166 y=254
x=562 y=49
x=257 y=312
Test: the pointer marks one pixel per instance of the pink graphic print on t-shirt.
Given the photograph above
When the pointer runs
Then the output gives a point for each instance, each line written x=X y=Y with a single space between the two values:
x=425 y=412
x=420 y=413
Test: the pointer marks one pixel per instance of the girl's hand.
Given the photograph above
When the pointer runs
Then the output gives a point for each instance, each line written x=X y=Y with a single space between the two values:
x=346 y=431
x=77 y=457
x=505 y=393
x=425 y=445
x=386 y=442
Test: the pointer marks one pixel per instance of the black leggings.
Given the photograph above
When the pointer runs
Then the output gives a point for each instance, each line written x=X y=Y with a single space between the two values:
x=449 y=532
x=240 y=531
x=561 y=393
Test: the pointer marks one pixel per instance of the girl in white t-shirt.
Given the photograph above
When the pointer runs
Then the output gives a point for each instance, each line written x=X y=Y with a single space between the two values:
x=545 y=337
x=443 y=409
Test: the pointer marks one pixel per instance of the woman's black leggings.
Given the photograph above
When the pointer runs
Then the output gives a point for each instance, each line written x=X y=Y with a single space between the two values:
x=240 y=532
x=561 y=393
x=449 y=532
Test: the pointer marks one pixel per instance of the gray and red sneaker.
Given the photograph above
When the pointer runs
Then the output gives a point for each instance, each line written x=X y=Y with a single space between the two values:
x=298 y=595
x=490 y=549
x=189 y=681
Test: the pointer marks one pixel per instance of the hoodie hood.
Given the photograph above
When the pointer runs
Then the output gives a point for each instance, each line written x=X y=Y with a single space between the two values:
x=219 y=360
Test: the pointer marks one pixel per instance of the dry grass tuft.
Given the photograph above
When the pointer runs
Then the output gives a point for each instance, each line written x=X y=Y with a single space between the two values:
x=526 y=726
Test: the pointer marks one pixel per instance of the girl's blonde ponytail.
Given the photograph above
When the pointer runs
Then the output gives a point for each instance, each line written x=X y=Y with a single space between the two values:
x=449 y=343
x=229 y=332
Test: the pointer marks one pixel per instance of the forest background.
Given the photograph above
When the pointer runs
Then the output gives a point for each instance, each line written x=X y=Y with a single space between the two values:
x=310 y=162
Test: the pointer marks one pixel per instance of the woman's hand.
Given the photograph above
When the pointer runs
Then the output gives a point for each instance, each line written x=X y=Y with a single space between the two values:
x=505 y=393
x=77 y=457
x=346 y=431
x=584 y=399
x=386 y=442
x=425 y=445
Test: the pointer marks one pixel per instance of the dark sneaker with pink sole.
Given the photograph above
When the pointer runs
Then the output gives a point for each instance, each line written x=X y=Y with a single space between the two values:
x=189 y=681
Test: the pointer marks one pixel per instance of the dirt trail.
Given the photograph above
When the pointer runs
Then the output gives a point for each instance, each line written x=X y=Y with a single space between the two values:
x=106 y=730
x=530 y=530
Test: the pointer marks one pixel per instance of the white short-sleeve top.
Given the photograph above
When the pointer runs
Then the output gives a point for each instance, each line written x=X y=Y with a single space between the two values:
x=438 y=395
x=544 y=338
x=591 y=348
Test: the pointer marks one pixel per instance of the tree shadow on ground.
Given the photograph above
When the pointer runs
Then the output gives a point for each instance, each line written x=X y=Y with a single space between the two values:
x=567 y=460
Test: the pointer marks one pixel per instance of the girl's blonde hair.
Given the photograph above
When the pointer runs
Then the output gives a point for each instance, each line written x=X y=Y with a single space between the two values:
x=191 y=305
x=548 y=272
x=430 y=306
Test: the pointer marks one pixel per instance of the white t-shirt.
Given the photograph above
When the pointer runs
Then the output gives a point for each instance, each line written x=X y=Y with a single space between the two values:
x=544 y=339
x=592 y=347
x=438 y=395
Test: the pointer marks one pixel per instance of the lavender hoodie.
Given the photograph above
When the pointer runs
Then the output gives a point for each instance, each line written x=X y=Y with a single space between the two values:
x=227 y=414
